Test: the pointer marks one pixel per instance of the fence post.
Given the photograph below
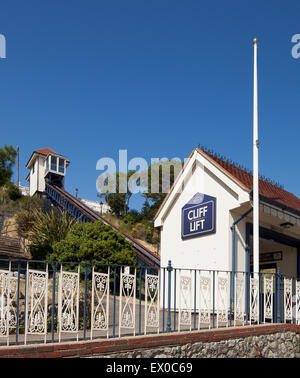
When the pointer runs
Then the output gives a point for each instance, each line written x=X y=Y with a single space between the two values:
x=85 y=300
x=169 y=269
x=294 y=303
x=261 y=291
x=195 y=299
x=114 y=311
x=214 y=299
x=278 y=295
x=140 y=298
x=25 y=303
x=53 y=300
x=232 y=273
x=174 y=301
x=18 y=304
x=247 y=300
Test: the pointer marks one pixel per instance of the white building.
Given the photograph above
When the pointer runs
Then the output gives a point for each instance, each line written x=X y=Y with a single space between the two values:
x=45 y=164
x=25 y=190
x=100 y=207
x=205 y=220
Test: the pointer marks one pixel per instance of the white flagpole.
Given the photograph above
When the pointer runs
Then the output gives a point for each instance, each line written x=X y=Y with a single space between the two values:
x=255 y=170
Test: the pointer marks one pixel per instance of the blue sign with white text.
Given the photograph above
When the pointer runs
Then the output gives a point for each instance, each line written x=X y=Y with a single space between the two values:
x=198 y=216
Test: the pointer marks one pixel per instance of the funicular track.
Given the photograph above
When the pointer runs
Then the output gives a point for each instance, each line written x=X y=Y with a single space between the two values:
x=83 y=213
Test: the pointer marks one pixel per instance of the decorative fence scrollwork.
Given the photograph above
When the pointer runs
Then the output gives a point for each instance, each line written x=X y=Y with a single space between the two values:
x=100 y=302
x=204 y=301
x=297 y=302
x=239 y=299
x=254 y=300
x=127 y=301
x=152 y=304
x=5 y=280
x=36 y=303
x=185 y=301
x=288 y=299
x=222 y=299
x=68 y=302
x=268 y=298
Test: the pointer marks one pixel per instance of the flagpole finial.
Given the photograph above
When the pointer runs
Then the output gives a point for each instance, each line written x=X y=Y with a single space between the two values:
x=255 y=41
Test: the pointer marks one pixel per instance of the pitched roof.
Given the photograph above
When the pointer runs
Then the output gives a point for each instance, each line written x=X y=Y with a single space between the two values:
x=266 y=189
x=45 y=151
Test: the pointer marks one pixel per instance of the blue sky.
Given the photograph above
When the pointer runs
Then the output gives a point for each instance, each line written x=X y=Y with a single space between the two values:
x=88 y=78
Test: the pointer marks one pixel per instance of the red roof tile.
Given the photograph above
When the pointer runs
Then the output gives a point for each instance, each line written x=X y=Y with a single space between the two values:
x=266 y=189
x=45 y=151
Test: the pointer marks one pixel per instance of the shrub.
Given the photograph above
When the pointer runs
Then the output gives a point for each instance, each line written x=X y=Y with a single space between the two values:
x=13 y=191
x=43 y=229
x=94 y=242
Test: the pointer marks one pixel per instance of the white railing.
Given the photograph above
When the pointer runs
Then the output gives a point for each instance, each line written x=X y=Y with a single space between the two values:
x=54 y=301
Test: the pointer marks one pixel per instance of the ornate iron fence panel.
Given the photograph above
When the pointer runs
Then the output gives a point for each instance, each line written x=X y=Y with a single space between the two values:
x=297 y=302
x=5 y=277
x=185 y=301
x=204 y=300
x=68 y=302
x=127 y=306
x=12 y=314
x=36 y=303
x=268 y=298
x=239 y=299
x=288 y=299
x=222 y=299
x=100 y=302
x=174 y=297
x=152 y=296
x=254 y=300
x=8 y=310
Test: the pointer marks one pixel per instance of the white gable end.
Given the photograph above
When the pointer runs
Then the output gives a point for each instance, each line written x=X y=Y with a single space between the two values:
x=209 y=251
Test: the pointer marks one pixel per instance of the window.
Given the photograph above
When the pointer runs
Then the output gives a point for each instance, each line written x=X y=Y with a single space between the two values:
x=53 y=163
x=47 y=164
x=61 y=167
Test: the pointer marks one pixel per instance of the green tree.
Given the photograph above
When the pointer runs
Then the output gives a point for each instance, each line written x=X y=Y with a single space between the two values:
x=9 y=196
x=13 y=191
x=7 y=160
x=118 y=195
x=94 y=242
x=161 y=176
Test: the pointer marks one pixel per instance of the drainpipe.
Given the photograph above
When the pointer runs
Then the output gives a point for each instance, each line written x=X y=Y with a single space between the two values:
x=233 y=257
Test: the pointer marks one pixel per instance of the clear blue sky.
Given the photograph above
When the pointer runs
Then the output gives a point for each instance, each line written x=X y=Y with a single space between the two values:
x=87 y=78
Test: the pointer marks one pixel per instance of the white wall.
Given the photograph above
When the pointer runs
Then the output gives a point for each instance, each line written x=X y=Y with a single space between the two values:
x=213 y=251
x=205 y=252
x=240 y=243
x=33 y=178
x=37 y=181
